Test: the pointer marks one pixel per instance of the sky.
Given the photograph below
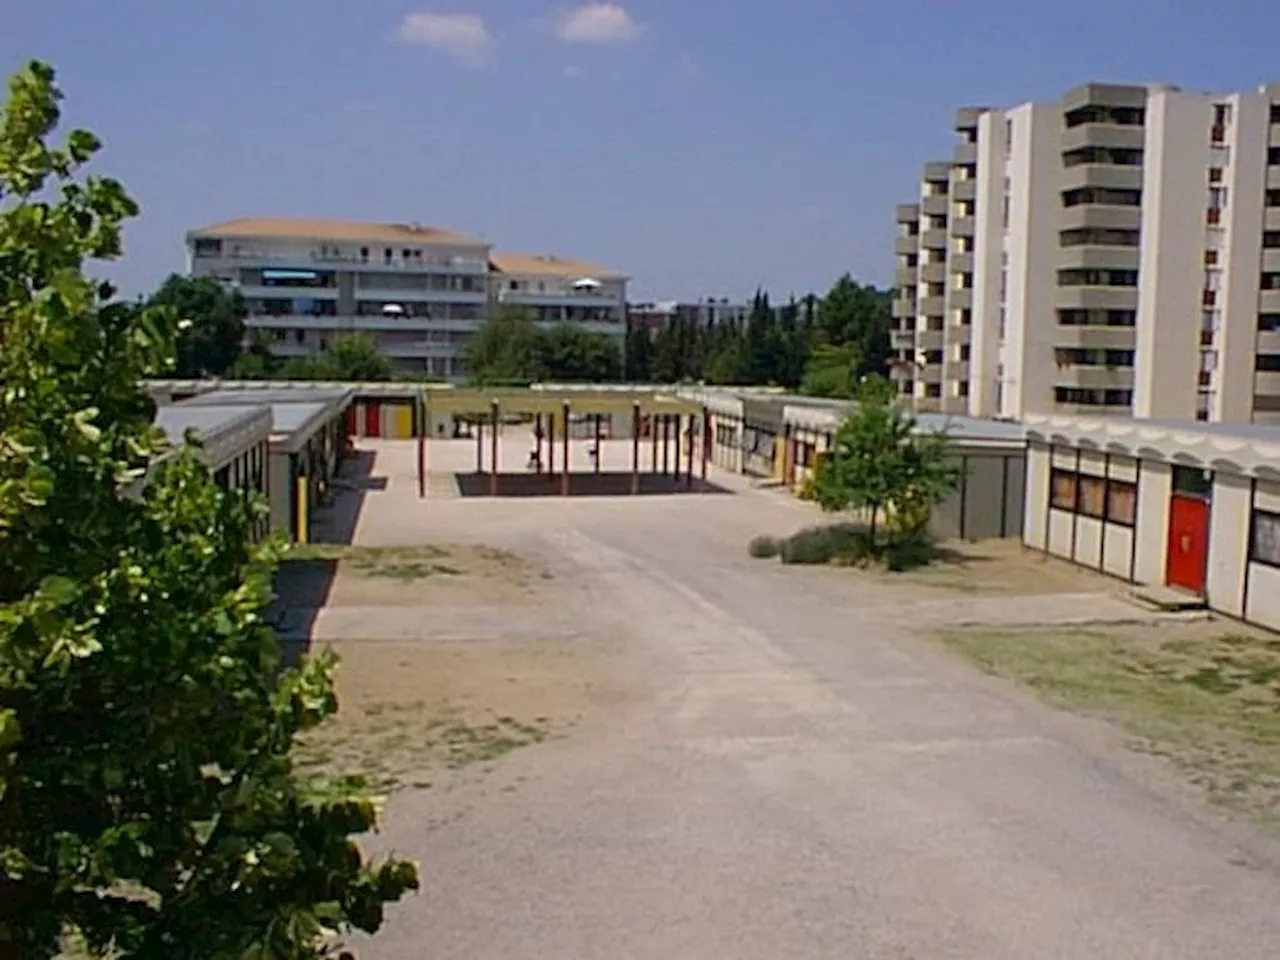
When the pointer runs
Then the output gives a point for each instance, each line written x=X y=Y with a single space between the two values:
x=704 y=147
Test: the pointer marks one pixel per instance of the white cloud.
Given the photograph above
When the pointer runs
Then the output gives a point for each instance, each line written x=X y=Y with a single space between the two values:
x=598 y=23
x=461 y=35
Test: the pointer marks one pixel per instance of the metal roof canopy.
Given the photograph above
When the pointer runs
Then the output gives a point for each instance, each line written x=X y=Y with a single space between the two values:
x=476 y=401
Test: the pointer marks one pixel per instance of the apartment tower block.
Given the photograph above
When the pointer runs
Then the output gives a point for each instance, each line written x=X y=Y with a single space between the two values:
x=1117 y=252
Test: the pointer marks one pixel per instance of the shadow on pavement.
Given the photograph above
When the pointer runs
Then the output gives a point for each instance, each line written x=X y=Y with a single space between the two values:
x=581 y=485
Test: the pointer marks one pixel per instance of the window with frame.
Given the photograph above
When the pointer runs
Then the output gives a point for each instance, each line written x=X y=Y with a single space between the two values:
x=1092 y=496
x=1264 y=543
x=1062 y=490
x=1122 y=503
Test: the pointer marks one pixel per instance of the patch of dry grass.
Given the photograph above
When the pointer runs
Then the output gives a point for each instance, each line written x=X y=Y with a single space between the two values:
x=1207 y=701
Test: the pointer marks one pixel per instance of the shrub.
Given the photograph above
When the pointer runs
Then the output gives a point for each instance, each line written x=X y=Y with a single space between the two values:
x=909 y=551
x=850 y=544
x=844 y=543
x=764 y=548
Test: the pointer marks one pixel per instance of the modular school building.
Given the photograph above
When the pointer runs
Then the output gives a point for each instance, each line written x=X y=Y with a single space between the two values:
x=284 y=440
x=1193 y=506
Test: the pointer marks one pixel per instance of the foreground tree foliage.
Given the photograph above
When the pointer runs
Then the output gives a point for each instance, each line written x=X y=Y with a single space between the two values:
x=148 y=807
x=881 y=461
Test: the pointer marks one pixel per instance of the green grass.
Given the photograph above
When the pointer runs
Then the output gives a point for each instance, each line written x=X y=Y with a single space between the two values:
x=1211 y=705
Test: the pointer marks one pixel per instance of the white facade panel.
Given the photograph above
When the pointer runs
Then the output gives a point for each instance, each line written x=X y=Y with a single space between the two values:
x=1155 y=485
x=1229 y=520
x=1088 y=542
x=1036 y=497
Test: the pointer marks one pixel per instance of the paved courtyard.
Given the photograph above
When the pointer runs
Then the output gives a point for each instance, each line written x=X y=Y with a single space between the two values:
x=769 y=762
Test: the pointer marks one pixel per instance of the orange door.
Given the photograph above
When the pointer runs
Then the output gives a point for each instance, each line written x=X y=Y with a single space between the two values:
x=1188 y=542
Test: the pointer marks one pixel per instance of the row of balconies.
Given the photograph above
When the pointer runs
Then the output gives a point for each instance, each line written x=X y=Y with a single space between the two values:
x=404 y=323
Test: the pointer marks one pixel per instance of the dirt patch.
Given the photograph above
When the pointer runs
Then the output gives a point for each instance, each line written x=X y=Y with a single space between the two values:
x=999 y=567
x=1203 y=695
x=427 y=575
x=412 y=711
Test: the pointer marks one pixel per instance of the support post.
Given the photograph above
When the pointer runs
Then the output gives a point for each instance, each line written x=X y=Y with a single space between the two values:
x=675 y=430
x=495 y=416
x=564 y=477
x=479 y=428
x=635 y=448
x=422 y=452
x=551 y=445
x=596 y=418
x=688 y=473
x=706 y=444
x=653 y=435
x=666 y=444
x=537 y=440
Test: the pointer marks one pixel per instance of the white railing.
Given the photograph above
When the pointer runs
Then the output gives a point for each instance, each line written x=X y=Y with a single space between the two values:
x=339 y=262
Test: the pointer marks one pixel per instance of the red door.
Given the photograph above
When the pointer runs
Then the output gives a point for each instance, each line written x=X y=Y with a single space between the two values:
x=353 y=424
x=373 y=419
x=1188 y=542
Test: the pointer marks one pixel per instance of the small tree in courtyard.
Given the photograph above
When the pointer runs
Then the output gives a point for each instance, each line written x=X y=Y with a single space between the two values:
x=148 y=805
x=880 y=462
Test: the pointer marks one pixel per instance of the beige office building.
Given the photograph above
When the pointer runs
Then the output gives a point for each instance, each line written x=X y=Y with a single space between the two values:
x=1117 y=252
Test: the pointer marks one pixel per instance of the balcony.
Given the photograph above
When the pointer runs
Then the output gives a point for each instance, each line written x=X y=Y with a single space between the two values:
x=902 y=307
x=935 y=272
x=257 y=291
x=960 y=298
x=905 y=246
x=960 y=263
x=935 y=306
x=906 y=213
x=314 y=261
x=1100 y=217
x=906 y=276
x=1096 y=298
x=936 y=205
x=1100 y=258
x=1095 y=378
x=593 y=299
x=1114 y=136
x=350 y=323
x=962 y=226
x=1105 y=176
x=384 y=295
x=964 y=190
x=937 y=171
x=902 y=339
x=933 y=239
x=1098 y=338
x=930 y=339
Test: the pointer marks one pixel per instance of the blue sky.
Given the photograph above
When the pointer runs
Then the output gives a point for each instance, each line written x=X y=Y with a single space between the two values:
x=703 y=146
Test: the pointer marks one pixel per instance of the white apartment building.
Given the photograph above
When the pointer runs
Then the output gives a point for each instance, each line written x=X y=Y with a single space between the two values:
x=419 y=291
x=560 y=290
x=1117 y=252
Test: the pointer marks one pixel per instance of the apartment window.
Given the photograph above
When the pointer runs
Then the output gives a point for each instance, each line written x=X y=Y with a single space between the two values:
x=1097 y=318
x=1208 y=361
x=1122 y=503
x=364 y=253
x=1273 y=198
x=1221 y=114
x=1101 y=195
x=1264 y=537
x=1273 y=156
x=386 y=254
x=1213 y=216
x=1097 y=278
x=1210 y=258
x=962 y=388
x=1268 y=322
x=1270 y=281
x=933 y=390
x=1218 y=197
x=964 y=353
x=1267 y=363
x=1209 y=321
x=1213 y=279
x=1215 y=174
x=1275 y=113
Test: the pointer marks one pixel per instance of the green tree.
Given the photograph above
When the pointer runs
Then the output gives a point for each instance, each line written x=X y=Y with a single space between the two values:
x=569 y=353
x=212 y=333
x=861 y=315
x=147 y=799
x=355 y=356
x=256 y=362
x=832 y=371
x=637 y=354
x=506 y=348
x=881 y=460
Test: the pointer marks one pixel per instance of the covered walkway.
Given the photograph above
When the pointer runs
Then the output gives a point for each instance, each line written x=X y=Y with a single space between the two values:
x=664 y=438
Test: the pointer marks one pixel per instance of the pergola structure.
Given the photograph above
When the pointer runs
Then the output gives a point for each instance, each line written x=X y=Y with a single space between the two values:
x=552 y=412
